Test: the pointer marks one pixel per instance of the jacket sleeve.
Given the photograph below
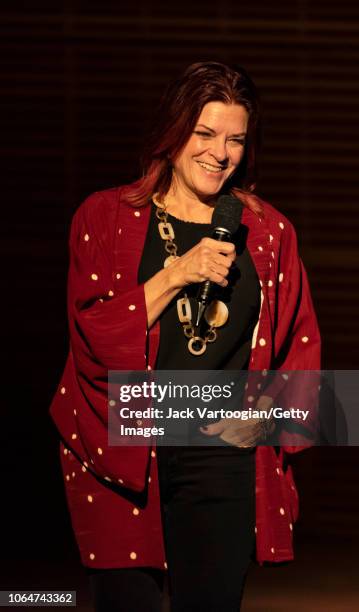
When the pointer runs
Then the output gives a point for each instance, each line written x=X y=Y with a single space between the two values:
x=296 y=345
x=297 y=338
x=108 y=329
x=108 y=325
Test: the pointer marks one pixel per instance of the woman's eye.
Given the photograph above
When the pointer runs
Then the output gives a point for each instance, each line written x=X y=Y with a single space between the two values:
x=204 y=134
x=238 y=140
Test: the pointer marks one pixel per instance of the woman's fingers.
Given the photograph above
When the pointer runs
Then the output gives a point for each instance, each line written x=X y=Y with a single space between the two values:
x=208 y=260
x=217 y=245
x=240 y=440
x=218 y=278
x=235 y=431
x=214 y=428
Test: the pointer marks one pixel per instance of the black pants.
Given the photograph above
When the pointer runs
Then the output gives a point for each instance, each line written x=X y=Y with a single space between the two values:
x=208 y=514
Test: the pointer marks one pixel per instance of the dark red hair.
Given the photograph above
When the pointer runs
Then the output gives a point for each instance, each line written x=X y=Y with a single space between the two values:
x=177 y=116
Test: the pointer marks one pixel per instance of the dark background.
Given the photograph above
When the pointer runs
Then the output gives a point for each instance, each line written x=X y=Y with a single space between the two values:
x=79 y=81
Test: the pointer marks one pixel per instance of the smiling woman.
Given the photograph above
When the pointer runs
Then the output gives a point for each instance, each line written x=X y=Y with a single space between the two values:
x=209 y=158
x=138 y=254
x=210 y=114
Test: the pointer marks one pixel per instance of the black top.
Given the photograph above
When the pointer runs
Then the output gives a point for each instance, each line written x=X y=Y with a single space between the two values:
x=232 y=347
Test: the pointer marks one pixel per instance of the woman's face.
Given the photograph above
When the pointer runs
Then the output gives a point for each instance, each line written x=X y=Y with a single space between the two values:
x=213 y=151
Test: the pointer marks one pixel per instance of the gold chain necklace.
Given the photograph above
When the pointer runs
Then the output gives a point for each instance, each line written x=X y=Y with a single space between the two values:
x=216 y=313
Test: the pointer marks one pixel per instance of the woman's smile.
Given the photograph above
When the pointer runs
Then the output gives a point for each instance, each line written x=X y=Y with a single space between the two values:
x=212 y=169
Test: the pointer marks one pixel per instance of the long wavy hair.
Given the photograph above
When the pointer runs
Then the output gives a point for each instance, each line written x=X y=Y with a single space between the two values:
x=177 y=115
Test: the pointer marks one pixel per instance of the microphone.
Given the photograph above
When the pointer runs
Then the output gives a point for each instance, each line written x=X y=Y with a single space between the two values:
x=225 y=222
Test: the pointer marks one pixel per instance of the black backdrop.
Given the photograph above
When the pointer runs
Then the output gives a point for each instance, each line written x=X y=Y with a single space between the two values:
x=79 y=80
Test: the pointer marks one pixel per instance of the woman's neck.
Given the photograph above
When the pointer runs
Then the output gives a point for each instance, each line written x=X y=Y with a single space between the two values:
x=188 y=207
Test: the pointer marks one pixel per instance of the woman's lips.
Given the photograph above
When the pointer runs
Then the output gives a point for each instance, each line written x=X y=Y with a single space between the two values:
x=210 y=168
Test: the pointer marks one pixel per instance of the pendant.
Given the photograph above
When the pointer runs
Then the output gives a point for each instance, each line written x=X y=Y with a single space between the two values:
x=166 y=231
x=216 y=314
x=184 y=310
x=188 y=330
x=211 y=335
x=197 y=345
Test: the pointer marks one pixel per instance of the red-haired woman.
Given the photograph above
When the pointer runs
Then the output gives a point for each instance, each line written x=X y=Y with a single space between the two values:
x=199 y=512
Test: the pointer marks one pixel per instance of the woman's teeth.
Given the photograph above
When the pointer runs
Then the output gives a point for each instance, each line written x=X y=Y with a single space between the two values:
x=209 y=167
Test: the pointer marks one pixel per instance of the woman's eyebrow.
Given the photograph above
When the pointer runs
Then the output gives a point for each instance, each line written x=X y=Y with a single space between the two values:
x=207 y=128
x=213 y=131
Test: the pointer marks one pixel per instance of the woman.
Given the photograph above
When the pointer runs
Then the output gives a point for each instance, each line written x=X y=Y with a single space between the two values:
x=207 y=507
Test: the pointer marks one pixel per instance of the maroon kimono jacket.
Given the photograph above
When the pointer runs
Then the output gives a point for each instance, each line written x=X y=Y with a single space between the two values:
x=115 y=525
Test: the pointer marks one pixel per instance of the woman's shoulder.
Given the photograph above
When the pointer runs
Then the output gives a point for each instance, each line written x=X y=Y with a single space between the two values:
x=278 y=224
x=102 y=207
x=98 y=202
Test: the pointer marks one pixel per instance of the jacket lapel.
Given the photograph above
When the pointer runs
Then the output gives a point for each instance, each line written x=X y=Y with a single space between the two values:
x=259 y=247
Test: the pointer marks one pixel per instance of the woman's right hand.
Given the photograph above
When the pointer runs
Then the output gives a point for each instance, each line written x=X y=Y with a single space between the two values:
x=207 y=260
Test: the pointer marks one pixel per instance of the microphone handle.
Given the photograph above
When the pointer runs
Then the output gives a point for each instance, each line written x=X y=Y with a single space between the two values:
x=222 y=235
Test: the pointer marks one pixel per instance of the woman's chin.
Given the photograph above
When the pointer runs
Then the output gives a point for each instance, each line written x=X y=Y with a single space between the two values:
x=207 y=192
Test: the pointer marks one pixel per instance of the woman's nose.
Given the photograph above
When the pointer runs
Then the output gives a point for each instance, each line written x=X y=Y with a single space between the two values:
x=219 y=151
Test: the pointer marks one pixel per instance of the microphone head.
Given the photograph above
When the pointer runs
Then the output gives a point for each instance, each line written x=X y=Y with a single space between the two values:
x=227 y=213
